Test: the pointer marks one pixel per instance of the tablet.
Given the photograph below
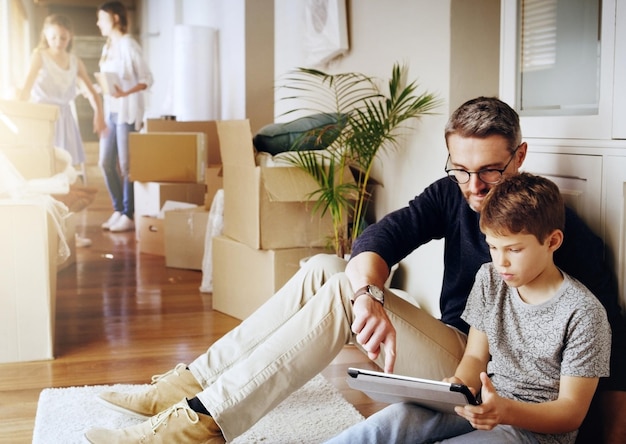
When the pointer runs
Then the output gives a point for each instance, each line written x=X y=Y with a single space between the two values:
x=390 y=388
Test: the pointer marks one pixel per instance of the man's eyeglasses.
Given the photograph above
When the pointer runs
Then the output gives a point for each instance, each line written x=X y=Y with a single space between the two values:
x=489 y=176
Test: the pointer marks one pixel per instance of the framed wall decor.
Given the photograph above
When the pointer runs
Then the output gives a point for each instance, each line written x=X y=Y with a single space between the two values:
x=326 y=33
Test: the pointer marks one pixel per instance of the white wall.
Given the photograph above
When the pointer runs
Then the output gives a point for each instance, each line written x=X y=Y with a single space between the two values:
x=159 y=18
x=415 y=32
x=419 y=33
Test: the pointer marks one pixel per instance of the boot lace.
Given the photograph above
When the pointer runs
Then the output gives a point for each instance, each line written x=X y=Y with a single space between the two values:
x=177 y=410
x=175 y=371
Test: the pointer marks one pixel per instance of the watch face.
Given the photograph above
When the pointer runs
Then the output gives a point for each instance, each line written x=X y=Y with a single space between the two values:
x=376 y=292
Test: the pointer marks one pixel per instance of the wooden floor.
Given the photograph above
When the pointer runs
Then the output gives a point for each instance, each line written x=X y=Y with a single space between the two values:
x=121 y=317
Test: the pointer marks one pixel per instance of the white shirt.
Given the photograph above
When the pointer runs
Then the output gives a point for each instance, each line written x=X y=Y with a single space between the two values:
x=125 y=58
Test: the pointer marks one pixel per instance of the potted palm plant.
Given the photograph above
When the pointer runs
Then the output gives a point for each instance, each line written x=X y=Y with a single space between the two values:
x=368 y=119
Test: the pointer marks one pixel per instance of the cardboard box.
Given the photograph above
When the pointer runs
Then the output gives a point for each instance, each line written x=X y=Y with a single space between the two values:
x=185 y=232
x=27 y=282
x=166 y=157
x=244 y=278
x=267 y=207
x=214 y=179
x=31 y=162
x=150 y=196
x=208 y=127
x=27 y=124
x=151 y=235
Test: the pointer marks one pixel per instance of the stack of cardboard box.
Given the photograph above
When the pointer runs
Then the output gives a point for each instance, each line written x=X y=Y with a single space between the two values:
x=28 y=234
x=174 y=162
x=269 y=225
x=27 y=135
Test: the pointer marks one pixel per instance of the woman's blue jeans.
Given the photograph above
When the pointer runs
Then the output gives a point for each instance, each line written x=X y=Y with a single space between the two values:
x=409 y=423
x=113 y=161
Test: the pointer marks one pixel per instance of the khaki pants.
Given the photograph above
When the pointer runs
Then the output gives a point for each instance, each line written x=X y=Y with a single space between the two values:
x=297 y=333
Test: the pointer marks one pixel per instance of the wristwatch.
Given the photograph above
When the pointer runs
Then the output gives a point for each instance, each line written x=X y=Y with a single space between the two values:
x=372 y=291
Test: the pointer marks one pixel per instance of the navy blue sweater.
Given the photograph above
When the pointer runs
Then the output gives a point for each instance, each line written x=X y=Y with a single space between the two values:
x=441 y=212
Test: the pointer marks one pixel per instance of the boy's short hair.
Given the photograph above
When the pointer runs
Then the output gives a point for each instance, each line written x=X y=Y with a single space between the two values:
x=523 y=203
x=483 y=117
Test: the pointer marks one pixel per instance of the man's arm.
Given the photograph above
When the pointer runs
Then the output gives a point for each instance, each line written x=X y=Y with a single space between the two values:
x=562 y=415
x=371 y=324
x=367 y=268
x=386 y=243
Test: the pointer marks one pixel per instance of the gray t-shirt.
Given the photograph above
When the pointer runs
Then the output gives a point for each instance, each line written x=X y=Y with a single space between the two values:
x=531 y=346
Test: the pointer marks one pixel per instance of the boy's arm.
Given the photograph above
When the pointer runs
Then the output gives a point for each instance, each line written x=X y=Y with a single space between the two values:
x=474 y=361
x=562 y=415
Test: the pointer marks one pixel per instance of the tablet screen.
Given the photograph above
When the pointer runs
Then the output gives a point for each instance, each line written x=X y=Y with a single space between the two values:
x=390 y=388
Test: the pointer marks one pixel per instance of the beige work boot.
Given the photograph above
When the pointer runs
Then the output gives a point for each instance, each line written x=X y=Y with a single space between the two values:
x=178 y=424
x=166 y=390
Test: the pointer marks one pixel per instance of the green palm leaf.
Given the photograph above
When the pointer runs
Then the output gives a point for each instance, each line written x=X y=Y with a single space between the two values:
x=368 y=121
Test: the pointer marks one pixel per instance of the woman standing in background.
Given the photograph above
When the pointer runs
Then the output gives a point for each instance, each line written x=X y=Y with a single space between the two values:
x=124 y=107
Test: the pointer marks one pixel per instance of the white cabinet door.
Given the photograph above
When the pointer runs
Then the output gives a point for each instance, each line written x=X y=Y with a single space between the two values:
x=619 y=84
x=579 y=177
x=615 y=217
x=556 y=120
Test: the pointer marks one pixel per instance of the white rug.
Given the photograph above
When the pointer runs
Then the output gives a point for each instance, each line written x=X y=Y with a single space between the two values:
x=311 y=415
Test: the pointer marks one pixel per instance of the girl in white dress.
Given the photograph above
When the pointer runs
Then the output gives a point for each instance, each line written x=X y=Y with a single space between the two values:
x=52 y=78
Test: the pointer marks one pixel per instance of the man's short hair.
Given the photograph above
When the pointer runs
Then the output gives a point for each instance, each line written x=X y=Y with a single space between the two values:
x=523 y=203
x=483 y=117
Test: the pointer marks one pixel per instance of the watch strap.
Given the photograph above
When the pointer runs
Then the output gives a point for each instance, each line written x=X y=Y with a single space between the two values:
x=366 y=290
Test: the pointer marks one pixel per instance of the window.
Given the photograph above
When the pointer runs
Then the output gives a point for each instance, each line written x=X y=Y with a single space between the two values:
x=538 y=35
x=14 y=47
x=559 y=62
x=560 y=57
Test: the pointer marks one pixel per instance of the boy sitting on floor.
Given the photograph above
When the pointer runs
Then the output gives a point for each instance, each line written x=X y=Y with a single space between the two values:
x=538 y=342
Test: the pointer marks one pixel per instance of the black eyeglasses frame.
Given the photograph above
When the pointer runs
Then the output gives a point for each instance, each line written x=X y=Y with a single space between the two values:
x=453 y=178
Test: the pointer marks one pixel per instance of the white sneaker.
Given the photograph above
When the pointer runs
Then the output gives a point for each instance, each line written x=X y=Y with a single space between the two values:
x=111 y=221
x=124 y=223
